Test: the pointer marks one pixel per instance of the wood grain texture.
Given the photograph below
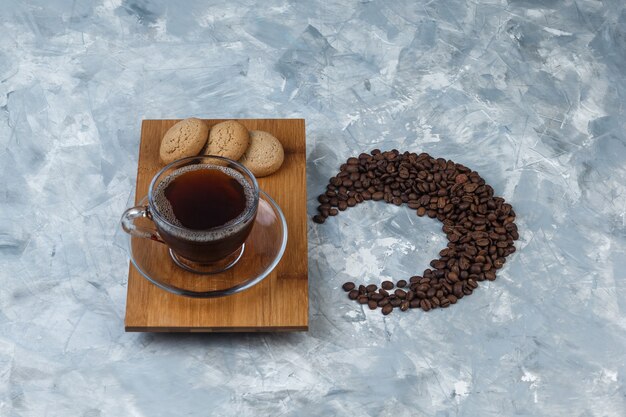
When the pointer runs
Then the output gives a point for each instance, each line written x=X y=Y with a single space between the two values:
x=278 y=303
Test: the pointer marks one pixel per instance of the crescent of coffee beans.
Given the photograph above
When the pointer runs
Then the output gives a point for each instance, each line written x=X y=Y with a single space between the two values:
x=480 y=227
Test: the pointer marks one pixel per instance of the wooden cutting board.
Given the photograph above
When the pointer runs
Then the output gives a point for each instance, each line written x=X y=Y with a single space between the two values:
x=280 y=301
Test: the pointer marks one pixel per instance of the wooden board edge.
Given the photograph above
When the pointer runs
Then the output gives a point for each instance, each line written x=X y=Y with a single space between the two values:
x=130 y=263
x=306 y=231
x=164 y=329
x=225 y=118
x=130 y=266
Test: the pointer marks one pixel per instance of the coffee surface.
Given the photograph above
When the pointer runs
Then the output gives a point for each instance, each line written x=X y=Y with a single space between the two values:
x=201 y=197
x=205 y=198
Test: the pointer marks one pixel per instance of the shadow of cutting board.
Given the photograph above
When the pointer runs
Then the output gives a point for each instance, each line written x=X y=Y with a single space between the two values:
x=280 y=301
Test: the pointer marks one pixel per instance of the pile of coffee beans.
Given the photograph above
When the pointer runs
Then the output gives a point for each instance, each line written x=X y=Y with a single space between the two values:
x=479 y=226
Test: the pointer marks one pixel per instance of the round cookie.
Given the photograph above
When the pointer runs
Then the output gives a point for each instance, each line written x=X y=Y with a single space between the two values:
x=229 y=139
x=185 y=138
x=264 y=155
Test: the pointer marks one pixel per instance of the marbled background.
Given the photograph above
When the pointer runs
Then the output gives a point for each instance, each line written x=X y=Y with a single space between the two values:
x=531 y=93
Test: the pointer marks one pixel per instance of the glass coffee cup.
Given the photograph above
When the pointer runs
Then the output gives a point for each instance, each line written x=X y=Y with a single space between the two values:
x=203 y=208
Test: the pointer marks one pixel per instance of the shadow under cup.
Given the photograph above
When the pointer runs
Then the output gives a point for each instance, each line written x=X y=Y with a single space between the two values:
x=203 y=189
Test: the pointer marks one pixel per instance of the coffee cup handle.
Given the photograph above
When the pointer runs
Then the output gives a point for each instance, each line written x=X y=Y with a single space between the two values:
x=129 y=226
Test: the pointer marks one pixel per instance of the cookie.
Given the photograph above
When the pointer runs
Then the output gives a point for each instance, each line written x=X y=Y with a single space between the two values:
x=229 y=139
x=185 y=138
x=264 y=155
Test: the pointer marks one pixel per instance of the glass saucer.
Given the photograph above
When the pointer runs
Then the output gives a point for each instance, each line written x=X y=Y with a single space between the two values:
x=263 y=250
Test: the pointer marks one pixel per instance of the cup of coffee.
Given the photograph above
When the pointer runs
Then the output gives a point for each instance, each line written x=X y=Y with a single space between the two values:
x=203 y=208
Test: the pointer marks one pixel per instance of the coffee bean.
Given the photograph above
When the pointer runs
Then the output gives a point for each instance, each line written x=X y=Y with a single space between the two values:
x=319 y=219
x=387 y=285
x=470 y=188
x=376 y=296
x=457 y=289
x=424 y=200
x=348 y=286
x=480 y=226
x=414 y=279
x=400 y=294
x=372 y=304
x=371 y=288
x=362 y=299
x=437 y=264
x=387 y=309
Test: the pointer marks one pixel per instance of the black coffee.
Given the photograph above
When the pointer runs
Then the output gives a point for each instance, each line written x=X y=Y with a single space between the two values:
x=205 y=210
x=205 y=198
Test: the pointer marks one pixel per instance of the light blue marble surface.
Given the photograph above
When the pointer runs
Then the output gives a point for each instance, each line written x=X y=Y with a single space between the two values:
x=531 y=93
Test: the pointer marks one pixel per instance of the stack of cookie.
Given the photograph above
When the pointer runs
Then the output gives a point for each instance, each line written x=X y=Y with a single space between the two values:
x=258 y=151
